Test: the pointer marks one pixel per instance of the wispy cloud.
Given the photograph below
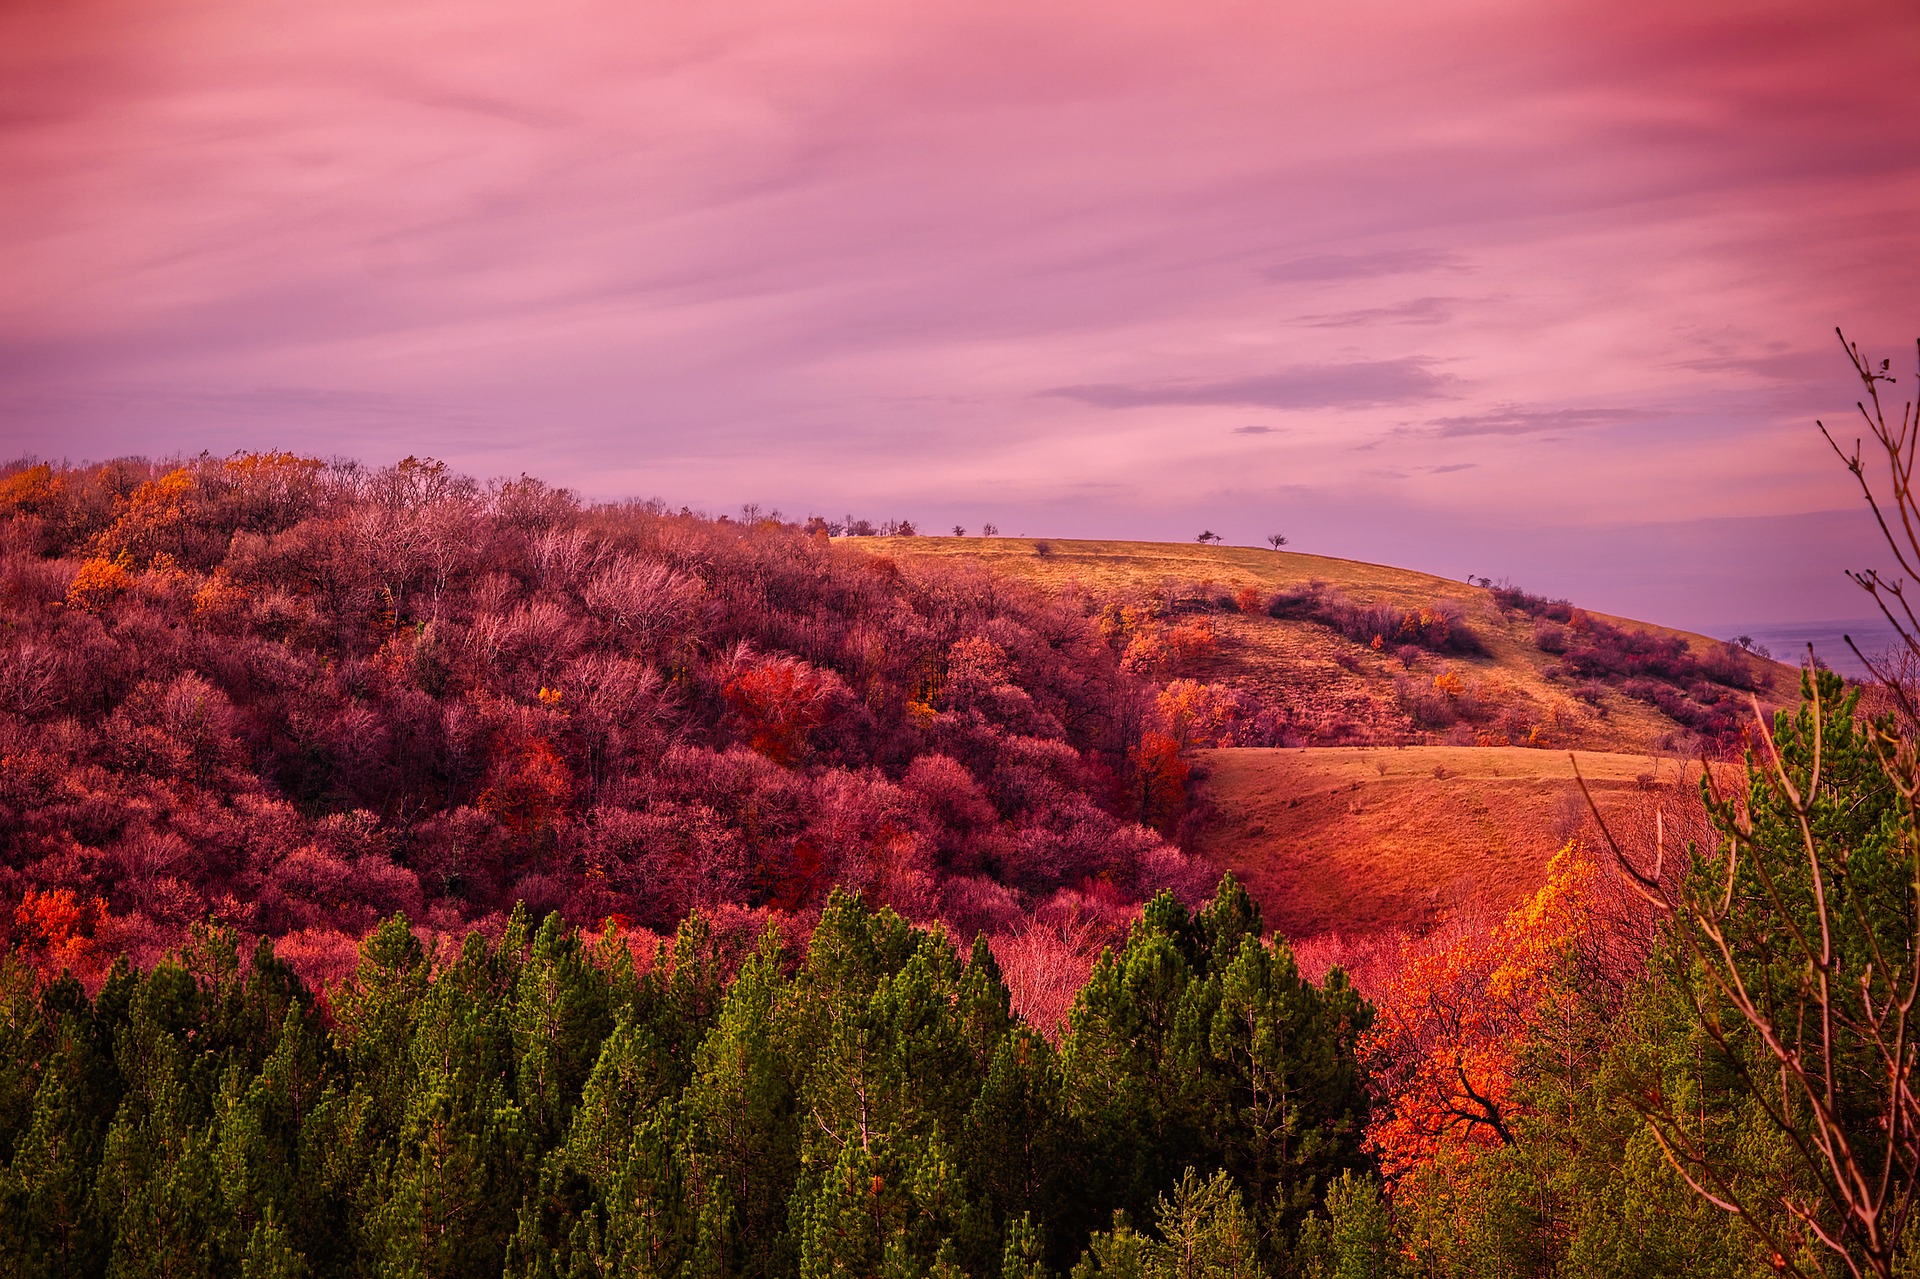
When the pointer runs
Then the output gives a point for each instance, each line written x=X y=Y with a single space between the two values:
x=1786 y=366
x=1253 y=430
x=1363 y=384
x=1435 y=310
x=1514 y=420
x=1361 y=266
x=1408 y=472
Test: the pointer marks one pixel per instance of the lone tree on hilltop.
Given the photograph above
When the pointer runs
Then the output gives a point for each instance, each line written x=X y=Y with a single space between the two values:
x=1276 y=540
x=1208 y=535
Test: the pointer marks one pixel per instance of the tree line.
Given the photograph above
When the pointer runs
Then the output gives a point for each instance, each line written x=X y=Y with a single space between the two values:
x=545 y=1104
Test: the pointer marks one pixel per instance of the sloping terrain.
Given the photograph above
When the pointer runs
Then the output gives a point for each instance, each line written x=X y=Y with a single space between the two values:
x=1411 y=824
x=1335 y=690
x=1371 y=841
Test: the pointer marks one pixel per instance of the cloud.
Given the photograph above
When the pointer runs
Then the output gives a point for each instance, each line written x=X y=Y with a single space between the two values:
x=1400 y=473
x=1789 y=366
x=825 y=255
x=1416 y=311
x=277 y=404
x=1361 y=266
x=1513 y=420
x=1253 y=430
x=1362 y=384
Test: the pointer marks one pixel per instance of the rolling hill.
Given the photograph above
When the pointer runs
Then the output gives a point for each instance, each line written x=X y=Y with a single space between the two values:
x=1371 y=822
x=1337 y=690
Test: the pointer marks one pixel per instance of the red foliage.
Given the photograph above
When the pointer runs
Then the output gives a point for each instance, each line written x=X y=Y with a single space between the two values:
x=527 y=788
x=777 y=701
x=1159 y=777
x=1453 y=1018
x=1045 y=965
x=300 y=696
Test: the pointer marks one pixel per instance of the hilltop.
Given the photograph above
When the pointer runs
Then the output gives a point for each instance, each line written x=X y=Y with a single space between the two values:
x=1329 y=689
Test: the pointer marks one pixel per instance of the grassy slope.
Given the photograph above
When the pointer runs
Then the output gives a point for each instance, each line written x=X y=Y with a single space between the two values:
x=1364 y=841
x=1294 y=662
x=1368 y=840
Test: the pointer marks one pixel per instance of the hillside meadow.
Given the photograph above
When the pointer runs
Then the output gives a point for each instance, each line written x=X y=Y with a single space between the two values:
x=1326 y=688
x=1358 y=844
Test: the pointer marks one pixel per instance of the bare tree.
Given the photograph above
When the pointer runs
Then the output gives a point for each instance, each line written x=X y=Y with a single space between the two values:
x=1802 y=936
x=1898 y=513
x=1276 y=540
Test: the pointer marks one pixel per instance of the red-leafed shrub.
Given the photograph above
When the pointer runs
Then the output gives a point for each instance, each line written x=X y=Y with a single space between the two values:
x=1437 y=627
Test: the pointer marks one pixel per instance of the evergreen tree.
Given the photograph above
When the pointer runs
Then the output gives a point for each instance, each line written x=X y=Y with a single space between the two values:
x=1200 y=1046
x=741 y=1131
x=559 y=1020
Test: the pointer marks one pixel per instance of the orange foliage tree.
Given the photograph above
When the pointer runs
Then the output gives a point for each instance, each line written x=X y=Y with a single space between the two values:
x=1159 y=779
x=1154 y=650
x=1453 y=1020
x=27 y=491
x=1196 y=714
x=100 y=580
x=151 y=517
x=54 y=930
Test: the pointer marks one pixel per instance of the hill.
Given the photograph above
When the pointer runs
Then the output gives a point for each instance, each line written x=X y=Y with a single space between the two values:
x=299 y=697
x=1321 y=686
x=1412 y=786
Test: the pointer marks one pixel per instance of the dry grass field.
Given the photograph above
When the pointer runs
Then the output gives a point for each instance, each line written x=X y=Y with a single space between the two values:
x=1342 y=690
x=1372 y=841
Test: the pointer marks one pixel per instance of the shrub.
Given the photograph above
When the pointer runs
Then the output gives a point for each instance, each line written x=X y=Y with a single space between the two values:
x=1508 y=596
x=1693 y=689
x=1436 y=627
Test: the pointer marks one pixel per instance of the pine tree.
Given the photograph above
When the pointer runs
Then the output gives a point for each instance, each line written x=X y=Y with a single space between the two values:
x=269 y=1254
x=741 y=1144
x=559 y=1020
x=1202 y=1229
x=1292 y=1093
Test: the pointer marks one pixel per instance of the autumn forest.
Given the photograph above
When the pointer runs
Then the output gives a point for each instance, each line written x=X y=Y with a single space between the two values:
x=407 y=875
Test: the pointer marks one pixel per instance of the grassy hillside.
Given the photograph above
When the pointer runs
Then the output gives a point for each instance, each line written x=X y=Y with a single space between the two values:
x=1338 y=690
x=1365 y=841
x=1373 y=821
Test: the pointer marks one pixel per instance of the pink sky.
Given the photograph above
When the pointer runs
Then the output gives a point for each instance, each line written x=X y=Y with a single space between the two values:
x=1539 y=290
